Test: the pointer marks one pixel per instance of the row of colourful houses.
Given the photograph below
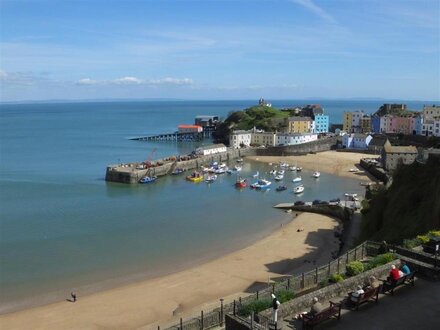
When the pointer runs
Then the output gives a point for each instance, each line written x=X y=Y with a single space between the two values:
x=394 y=118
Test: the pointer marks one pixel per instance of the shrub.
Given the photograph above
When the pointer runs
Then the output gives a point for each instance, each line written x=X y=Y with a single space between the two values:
x=354 y=268
x=434 y=233
x=423 y=238
x=254 y=306
x=284 y=295
x=380 y=260
x=335 y=278
x=411 y=243
x=323 y=283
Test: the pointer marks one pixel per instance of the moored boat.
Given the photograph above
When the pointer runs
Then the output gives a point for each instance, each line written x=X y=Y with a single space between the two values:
x=177 y=171
x=261 y=184
x=148 y=179
x=297 y=179
x=298 y=189
x=240 y=183
x=256 y=175
x=316 y=174
x=299 y=169
x=281 y=188
x=279 y=177
x=195 y=177
x=211 y=178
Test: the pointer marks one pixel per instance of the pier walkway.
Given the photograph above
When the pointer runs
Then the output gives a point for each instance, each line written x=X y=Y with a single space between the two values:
x=176 y=136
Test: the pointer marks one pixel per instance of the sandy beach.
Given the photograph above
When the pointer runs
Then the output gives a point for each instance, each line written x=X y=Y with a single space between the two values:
x=153 y=302
x=333 y=162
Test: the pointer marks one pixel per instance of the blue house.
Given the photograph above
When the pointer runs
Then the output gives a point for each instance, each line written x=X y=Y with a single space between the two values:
x=321 y=123
x=375 y=123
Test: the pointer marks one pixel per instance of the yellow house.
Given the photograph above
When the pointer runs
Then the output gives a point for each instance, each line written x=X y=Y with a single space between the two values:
x=348 y=120
x=300 y=125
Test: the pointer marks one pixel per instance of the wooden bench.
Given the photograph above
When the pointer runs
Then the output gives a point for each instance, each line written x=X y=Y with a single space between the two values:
x=370 y=294
x=309 y=320
x=390 y=285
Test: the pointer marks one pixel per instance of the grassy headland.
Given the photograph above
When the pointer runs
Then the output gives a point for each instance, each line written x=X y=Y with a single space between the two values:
x=260 y=116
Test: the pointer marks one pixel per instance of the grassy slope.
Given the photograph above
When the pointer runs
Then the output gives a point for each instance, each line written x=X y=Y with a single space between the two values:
x=411 y=206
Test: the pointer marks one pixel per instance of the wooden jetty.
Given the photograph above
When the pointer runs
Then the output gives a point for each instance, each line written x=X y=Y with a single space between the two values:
x=176 y=136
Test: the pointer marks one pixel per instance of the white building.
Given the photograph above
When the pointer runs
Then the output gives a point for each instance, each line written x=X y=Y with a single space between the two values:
x=211 y=149
x=356 y=141
x=288 y=139
x=238 y=139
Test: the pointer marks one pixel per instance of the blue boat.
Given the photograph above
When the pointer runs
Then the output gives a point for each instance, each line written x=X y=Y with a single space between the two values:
x=178 y=171
x=148 y=179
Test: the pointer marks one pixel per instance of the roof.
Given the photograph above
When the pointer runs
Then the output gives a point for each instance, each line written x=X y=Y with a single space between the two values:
x=300 y=119
x=189 y=126
x=205 y=116
x=213 y=146
x=400 y=150
x=378 y=142
x=241 y=132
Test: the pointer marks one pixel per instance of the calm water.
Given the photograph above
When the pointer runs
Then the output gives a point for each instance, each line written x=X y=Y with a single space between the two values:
x=63 y=227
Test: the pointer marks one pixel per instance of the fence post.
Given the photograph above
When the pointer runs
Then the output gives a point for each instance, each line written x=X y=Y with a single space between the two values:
x=201 y=320
x=158 y=327
x=181 y=324
x=316 y=275
x=252 y=320
x=288 y=283
x=363 y=250
x=355 y=250
x=234 y=308
x=221 y=312
x=339 y=259
x=273 y=287
x=303 y=284
x=258 y=293
x=347 y=258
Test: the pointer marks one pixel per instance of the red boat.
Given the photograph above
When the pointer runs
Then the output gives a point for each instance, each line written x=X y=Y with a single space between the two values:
x=240 y=183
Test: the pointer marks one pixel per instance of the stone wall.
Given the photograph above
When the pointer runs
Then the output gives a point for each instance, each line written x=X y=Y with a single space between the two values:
x=375 y=171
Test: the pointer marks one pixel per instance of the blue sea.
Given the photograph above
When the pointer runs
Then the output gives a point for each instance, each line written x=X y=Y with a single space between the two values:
x=64 y=228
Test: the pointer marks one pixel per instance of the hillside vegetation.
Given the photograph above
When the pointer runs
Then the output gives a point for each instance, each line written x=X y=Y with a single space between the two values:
x=260 y=117
x=411 y=206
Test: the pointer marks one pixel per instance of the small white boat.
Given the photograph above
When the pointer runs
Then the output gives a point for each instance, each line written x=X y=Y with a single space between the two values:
x=237 y=168
x=297 y=179
x=292 y=168
x=280 y=172
x=220 y=170
x=284 y=165
x=261 y=184
x=229 y=171
x=299 y=169
x=298 y=189
x=211 y=178
x=316 y=174
x=273 y=172
x=279 y=177
x=239 y=160
x=222 y=165
x=256 y=175
x=353 y=170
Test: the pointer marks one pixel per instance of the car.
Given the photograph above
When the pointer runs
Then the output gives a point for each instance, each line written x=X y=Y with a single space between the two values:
x=335 y=200
x=316 y=202
x=299 y=203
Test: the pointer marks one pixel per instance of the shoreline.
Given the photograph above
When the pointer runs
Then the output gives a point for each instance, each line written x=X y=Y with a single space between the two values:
x=332 y=162
x=284 y=251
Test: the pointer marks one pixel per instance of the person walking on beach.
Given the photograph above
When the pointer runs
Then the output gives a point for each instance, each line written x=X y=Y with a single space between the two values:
x=73 y=295
x=275 y=305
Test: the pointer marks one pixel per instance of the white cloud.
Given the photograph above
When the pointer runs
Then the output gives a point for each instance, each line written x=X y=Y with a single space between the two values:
x=18 y=78
x=309 y=5
x=87 y=81
x=128 y=81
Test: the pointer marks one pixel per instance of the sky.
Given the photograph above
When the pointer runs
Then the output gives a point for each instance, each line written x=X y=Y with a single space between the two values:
x=219 y=49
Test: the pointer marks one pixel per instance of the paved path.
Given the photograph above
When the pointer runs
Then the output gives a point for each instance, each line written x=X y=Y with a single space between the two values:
x=410 y=308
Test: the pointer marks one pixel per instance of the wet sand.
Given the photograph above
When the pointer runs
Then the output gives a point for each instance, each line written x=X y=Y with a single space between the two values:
x=333 y=162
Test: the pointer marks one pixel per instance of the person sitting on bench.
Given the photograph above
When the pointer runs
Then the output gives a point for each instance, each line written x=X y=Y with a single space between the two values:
x=394 y=274
x=315 y=309
x=373 y=283
x=404 y=268
x=354 y=296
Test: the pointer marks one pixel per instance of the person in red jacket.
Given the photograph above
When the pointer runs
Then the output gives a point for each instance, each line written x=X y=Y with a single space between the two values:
x=394 y=273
